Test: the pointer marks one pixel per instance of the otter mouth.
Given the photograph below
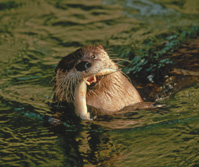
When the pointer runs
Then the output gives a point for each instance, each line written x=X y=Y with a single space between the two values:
x=96 y=77
x=81 y=91
x=90 y=80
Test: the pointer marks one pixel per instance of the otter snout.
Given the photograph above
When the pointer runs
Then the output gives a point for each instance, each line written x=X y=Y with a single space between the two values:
x=82 y=66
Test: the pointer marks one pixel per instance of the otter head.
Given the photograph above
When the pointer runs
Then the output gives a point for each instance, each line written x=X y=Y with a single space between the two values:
x=88 y=63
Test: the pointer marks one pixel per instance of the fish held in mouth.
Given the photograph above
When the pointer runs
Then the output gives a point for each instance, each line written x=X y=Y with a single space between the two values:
x=93 y=78
x=81 y=91
x=91 y=65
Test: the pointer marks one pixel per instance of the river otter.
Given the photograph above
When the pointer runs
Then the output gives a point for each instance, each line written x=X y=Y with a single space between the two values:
x=88 y=77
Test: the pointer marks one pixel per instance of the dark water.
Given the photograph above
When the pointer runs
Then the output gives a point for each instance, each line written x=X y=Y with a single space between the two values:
x=34 y=35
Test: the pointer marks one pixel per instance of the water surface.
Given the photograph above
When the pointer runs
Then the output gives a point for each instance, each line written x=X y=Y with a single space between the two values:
x=35 y=35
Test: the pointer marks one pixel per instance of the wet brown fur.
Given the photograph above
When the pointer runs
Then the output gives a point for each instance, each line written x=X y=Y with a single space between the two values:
x=111 y=93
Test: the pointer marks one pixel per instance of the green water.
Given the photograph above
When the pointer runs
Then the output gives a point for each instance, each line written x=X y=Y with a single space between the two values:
x=35 y=35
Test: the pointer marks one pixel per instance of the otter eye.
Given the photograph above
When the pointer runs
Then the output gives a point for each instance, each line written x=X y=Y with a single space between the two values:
x=92 y=56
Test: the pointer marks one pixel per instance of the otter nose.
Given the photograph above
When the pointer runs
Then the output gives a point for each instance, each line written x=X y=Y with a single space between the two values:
x=82 y=66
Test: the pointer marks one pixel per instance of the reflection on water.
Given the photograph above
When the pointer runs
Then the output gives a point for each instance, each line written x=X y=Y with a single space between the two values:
x=171 y=140
x=142 y=8
x=34 y=35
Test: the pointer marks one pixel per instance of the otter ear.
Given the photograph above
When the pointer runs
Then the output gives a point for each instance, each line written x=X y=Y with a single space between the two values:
x=100 y=46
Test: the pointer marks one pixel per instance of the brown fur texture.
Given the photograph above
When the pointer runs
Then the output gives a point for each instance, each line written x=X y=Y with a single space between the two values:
x=111 y=92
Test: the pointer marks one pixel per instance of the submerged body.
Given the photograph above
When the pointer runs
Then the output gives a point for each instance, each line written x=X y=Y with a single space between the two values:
x=88 y=77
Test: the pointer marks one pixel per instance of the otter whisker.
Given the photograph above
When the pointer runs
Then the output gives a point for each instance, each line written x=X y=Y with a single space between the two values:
x=109 y=89
x=68 y=91
x=126 y=76
x=52 y=80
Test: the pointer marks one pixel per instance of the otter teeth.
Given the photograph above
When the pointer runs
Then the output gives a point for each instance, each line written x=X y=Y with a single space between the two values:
x=93 y=79
x=90 y=80
x=88 y=83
